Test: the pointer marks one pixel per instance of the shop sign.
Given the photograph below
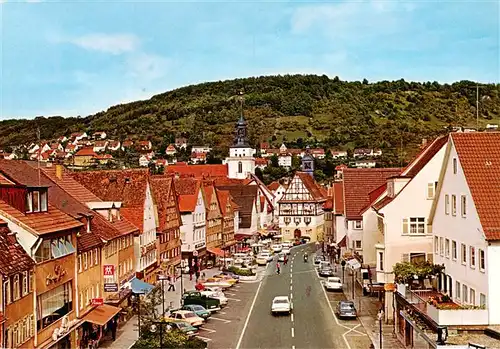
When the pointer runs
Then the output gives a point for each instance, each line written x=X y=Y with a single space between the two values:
x=195 y=253
x=97 y=301
x=111 y=287
x=59 y=273
x=109 y=270
x=201 y=244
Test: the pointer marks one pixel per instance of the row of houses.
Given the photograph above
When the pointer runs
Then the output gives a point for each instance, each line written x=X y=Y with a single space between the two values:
x=442 y=208
x=75 y=246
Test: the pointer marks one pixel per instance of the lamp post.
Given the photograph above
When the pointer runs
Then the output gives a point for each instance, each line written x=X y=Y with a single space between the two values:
x=154 y=328
x=380 y=316
x=353 y=286
x=162 y=279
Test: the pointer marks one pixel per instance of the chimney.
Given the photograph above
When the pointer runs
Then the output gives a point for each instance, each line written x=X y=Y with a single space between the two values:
x=59 y=171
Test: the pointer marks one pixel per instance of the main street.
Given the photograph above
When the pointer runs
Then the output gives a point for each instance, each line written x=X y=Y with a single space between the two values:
x=312 y=325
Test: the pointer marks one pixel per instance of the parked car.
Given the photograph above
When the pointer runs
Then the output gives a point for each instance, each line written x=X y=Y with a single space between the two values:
x=326 y=271
x=346 y=309
x=188 y=316
x=215 y=293
x=182 y=326
x=198 y=310
x=217 y=283
x=281 y=305
x=324 y=264
x=285 y=250
x=261 y=260
x=268 y=255
x=195 y=297
x=277 y=248
x=318 y=258
x=281 y=257
x=333 y=283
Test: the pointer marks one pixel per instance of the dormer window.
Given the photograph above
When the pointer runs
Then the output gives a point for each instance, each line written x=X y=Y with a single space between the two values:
x=36 y=201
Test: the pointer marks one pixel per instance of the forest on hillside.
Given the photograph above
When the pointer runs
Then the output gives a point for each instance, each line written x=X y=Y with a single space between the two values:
x=304 y=109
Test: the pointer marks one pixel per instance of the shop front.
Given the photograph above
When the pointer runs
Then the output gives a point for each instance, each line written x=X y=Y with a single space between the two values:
x=215 y=255
x=98 y=325
x=149 y=274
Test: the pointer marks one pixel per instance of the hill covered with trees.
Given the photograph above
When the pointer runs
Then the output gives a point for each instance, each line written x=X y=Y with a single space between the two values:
x=307 y=109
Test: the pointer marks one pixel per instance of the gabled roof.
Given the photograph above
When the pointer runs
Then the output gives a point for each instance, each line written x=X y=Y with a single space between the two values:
x=358 y=183
x=187 y=190
x=163 y=189
x=312 y=186
x=425 y=155
x=199 y=171
x=88 y=240
x=86 y=152
x=244 y=196
x=13 y=257
x=274 y=186
x=338 y=198
x=224 y=197
x=479 y=157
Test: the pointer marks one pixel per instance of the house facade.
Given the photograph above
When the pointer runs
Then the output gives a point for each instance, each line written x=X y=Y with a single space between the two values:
x=465 y=224
x=214 y=222
x=228 y=207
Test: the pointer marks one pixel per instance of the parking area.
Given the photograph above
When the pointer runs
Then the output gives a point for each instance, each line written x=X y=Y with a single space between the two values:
x=355 y=334
x=223 y=328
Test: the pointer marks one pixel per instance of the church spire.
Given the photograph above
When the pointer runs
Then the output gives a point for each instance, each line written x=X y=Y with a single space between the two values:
x=241 y=127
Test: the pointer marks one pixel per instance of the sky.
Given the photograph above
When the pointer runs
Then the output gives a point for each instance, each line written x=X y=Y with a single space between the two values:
x=75 y=57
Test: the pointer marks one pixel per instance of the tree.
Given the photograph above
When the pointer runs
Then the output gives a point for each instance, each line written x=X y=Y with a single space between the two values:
x=274 y=161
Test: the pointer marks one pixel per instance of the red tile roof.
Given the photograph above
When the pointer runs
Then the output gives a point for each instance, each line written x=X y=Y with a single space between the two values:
x=479 y=157
x=187 y=190
x=425 y=155
x=163 y=189
x=5 y=181
x=328 y=205
x=86 y=152
x=223 y=197
x=358 y=183
x=273 y=186
x=88 y=241
x=41 y=222
x=260 y=161
x=199 y=171
x=13 y=257
x=338 y=197
x=314 y=188
x=244 y=196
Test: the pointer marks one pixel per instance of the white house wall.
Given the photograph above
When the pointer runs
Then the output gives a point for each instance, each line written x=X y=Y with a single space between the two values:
x=464 y=230
x=339 y=228
x=411 y=201
x=371 y=236
x=493 y=259
x=148 y=236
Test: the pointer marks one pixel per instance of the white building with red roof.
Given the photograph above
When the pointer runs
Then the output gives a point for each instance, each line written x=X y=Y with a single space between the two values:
x=465 y=222
x=171 y=150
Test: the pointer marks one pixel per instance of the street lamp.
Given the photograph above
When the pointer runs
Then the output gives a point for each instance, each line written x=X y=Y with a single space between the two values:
x=162 y=278
x=380 y=317
x=154 y=327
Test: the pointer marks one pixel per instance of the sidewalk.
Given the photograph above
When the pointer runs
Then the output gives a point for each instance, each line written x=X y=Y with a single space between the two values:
x=128 y=333
x=368 y=308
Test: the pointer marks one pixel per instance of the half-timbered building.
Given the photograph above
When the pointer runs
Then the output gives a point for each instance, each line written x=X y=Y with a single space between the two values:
x=301 y=212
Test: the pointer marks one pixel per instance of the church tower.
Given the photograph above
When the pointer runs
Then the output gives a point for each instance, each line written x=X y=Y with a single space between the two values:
x=241 y=159
x=308 y=162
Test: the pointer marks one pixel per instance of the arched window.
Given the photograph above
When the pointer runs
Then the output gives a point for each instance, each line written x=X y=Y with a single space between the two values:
x=240 y=167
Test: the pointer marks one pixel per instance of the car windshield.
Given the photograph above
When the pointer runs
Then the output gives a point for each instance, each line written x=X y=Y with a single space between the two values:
x=347 y=306
x=182 y=324
x=189 y=314
x=280 y=301
x=198 y=307
x=333 y=280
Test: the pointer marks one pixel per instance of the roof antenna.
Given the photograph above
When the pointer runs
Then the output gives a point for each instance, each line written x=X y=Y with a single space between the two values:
x=39 y=154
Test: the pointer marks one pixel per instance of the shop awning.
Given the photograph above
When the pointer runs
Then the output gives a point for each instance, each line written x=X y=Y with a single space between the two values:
x=216 y=251
x=102 y=314
x=140 y=287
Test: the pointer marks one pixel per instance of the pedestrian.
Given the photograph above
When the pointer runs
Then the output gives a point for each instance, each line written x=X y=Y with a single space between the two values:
x=278 y=267
x=285 y=260
x=171 y=285
x=113 y=329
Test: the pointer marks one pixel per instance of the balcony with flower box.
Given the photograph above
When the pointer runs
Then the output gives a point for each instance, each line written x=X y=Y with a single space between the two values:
x=440 y=309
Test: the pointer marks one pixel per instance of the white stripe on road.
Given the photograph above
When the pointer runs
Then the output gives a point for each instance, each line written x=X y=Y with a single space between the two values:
x=248 y=317
x=216 y=318
x=204 y=338
x=234 y=299
x=292 y=317
x=291 y=295
x=293 y=332
x=293 y=346
x=291 y=288
x=223 y=313
x=291 y=281
x=207 y=329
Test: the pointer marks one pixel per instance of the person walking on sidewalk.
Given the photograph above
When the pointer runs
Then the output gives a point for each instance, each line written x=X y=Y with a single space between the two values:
x=171 y=285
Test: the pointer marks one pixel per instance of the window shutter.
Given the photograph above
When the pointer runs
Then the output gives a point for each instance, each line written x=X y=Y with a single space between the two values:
x=405 y=225
x=430 y=258
x=405 y=257
x=430 y=190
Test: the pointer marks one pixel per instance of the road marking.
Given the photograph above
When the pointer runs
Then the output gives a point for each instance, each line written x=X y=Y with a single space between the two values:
x=204 y=338
x=248 y=317
x=223 y=312
x=291 y=281
x=293 y=346
x=291 y=295
x=234 y=299
x=291 y=288
x=207 y=329
x=354 y=330
x=336 y=319
x=216 y=318
x=292 y=317
x=293 y=332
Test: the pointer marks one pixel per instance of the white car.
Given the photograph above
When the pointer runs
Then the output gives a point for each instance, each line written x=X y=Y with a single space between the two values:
x=277 y=248
x=215 y=293
x=288 y=245
x=267 y=255
x=219 y=283
x=285 y=250
x=281 y=257
x=281 y=305
x=333 y=283
x=261 y=260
